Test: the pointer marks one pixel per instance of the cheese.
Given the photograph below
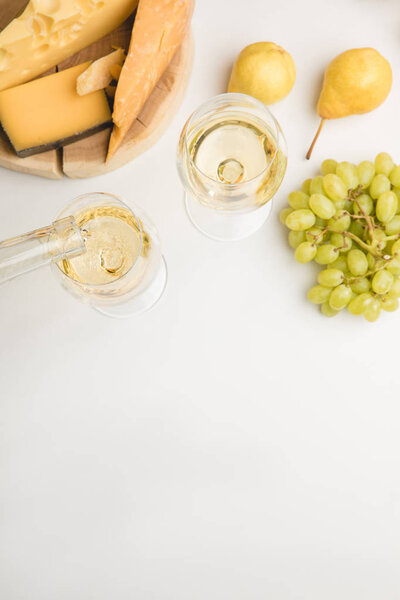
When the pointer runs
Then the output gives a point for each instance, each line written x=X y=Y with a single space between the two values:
x=49 y=31
x=48 y=113
x=115 y=71
x=100 y=73
x=158 y=31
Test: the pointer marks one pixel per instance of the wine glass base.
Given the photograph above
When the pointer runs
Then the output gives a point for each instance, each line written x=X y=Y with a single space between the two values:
x=140 y=304
x=224 y=226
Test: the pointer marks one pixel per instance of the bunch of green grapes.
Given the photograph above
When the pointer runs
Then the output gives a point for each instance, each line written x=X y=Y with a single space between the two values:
x=348 y=220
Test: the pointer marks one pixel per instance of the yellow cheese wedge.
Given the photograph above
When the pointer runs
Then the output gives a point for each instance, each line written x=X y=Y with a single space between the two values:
x=49 y=31
x=158 y=31
x=48 y=112
x=100 y=73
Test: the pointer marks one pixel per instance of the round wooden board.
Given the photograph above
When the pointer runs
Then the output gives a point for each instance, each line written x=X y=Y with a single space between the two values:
x=86 y=158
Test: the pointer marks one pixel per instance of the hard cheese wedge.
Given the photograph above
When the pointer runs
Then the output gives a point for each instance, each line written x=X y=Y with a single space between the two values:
x=100 y=73
x=158 y=31
x=48 y=113
x=48 y=31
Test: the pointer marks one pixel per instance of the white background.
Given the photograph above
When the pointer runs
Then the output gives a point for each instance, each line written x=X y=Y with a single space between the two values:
x=231 y=444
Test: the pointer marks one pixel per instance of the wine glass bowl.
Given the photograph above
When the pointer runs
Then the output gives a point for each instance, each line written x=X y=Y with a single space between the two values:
x=122 y=273
x=231 y=160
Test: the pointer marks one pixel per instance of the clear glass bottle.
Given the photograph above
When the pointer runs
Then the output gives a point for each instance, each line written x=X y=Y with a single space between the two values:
x=29 y=251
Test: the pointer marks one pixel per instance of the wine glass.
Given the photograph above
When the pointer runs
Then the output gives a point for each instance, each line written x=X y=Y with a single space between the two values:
x=122 y=272
x=231 y=158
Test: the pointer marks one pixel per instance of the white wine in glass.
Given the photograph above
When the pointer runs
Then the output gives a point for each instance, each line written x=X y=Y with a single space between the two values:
x=122 y=272
x=231 y=159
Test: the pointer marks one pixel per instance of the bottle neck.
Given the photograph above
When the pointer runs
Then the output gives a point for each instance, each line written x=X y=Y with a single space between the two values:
x=27 y=252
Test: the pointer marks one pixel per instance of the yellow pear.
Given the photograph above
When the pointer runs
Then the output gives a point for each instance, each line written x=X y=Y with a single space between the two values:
x=355 y=82
x=263 y=70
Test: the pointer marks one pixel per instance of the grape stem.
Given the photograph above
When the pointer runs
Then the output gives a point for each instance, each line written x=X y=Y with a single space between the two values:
x=355 y=238
x=351 y=280
x=316 y=237
x=367 y=247
x=354 y=195
x=392 y=237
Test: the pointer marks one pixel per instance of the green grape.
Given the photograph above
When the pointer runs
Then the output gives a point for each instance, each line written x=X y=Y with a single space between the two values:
x=357 y=229
x=340 y=263
x=381 y=237
x=357 y=305
x=316 y=185
x=365 y=203
x=371 y=261
x=301 y=219
x=384 y=164
x=306 y=186
x=379 y=185
x=340 y=297
x=341 y=242
x=296 y=238
x=395 y=177
x=337 y=239
x=340 y=204
x=339 y=222
x=284 y=213
x=328 y=166
x=348 y=205
x=389 y=245
x=389 y=304
x=327 y=311
x=305 y=252
x=396 y=191
x=348 y=174
x=357 y=262
x=334 y=187
x=393 y=226
x=298 y=200
x=396 y=248
x=393 y=266
x=382 y=281
x=366 y=172
x=326 y=254
x=330 y=277
x=313 y=233
x=320 y=222
x=373 y=310
x=386 y=206
x=318 y=294
x=322 y=206
x=394 y=291
x=360 y=286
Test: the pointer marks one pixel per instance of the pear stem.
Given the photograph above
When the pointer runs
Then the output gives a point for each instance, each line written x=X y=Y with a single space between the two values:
x=308 y=155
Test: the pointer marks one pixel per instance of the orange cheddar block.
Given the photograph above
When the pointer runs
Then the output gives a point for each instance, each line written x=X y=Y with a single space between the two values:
x=158 y=31
x=48 y=113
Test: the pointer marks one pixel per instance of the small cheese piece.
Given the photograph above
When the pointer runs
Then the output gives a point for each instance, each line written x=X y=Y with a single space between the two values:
x=47 y=113
x=158 y=31
x=49 y=31
x=99 y=75
x=115 y=71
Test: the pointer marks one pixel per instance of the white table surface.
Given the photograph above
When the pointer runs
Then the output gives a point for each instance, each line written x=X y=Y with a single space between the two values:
x=231 y=444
